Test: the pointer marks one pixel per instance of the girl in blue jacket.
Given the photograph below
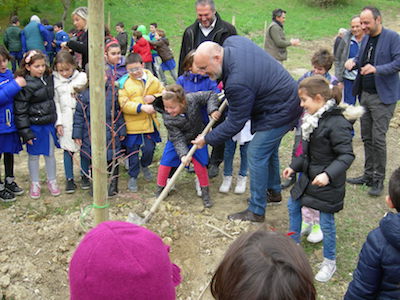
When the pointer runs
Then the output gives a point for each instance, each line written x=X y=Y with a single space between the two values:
x=9 y=139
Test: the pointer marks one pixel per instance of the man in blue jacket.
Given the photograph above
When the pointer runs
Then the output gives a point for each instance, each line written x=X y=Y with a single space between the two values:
x=378 y=86
x=257 y=88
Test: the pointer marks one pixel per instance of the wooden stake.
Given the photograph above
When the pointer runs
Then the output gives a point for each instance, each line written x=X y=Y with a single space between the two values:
x=98 y=109
x=265 y=31
x=233 y=20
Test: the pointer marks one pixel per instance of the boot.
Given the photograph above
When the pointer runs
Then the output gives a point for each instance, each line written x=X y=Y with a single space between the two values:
x=113 y=188
x=205 y=195
x=159 y=190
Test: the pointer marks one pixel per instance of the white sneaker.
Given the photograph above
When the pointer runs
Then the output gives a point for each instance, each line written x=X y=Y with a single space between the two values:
x=328 y=268
x=305 y=228
x=316 y=234
x=198 y=188
x=226 y=184
x=240 y=184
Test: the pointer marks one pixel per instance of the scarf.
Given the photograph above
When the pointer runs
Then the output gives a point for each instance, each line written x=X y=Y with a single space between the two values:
x=310 y=122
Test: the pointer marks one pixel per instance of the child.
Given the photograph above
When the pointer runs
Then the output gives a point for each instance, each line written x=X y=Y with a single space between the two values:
x=115 y=62
x=12 y=41
x=143 y=48
x=377 y=275
x=327 y=154
x=60 y=37
x=67 y=79
x=115 y=134
x=138 y=89
x=35 y=117
x=263 y=265
x=120 y=260
x=122 y=37
x=182 y=118
x=161 y=44
x=9 y=139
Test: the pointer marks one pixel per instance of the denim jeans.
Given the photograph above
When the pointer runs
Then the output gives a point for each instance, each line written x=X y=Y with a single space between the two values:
x=69 y=164
x=85 y=165
x=328 y=227
x=263 y=160
x=229 y=154
x=146 y=159
x=348 y=92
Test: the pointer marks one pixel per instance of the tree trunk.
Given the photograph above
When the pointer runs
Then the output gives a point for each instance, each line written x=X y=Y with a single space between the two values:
x=66 y=4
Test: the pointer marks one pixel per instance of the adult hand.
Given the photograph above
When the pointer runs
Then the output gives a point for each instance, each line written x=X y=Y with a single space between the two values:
x=199 y=141
x=20 y=81
x=60 y=130
x=78 y=142
x=185 y=160
x=321 y=179
x=121 y=138
x=368 y=69
x=149 y=99
x=287 y=172
x=64 y=45
x=340 y=84
x=147 y=108
x=215 y=115
x=295 y=42
x=349 y=64
x=30 y=142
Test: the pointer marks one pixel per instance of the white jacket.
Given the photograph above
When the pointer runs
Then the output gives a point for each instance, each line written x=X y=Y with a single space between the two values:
x=64 y=98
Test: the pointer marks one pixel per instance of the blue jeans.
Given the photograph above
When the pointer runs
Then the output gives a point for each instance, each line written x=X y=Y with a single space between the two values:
x=229 y=153
x=348 y=92
x=147 y=148
x=69 y=165
x=17 y=55
x=85 y=165
x=263 y=162
x=326 y=220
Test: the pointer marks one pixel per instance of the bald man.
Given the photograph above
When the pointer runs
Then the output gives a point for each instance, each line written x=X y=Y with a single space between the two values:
x=257 y=88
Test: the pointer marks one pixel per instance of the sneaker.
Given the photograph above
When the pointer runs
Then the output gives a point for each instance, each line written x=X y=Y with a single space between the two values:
x=147 y=174
x=226 y=184
x=376 y=189
x=85 y=183
x=198 y=188
x=7 y=196
x=14 y=188
x=34 y=190
x=360 y=180
x=240 y=187
x=247 y=215
x=325 y=273
x=132 y=184
x=70 y=186
x=316 y=234
x=305 y=228
x=213 y=171
x=53 y=188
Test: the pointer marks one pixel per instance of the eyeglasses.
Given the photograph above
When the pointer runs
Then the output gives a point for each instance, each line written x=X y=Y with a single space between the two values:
x=134 y=70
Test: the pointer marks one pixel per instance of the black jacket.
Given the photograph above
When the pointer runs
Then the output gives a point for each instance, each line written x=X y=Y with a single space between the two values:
x=221 y=31
x=34 y=105
x=329 y=150
x=81 y=46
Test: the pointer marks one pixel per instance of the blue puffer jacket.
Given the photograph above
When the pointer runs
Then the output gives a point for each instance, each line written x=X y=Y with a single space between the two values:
x=258 y=88
x=8 y=89
x=81 y=128
x=192 y=82
x=378 y=271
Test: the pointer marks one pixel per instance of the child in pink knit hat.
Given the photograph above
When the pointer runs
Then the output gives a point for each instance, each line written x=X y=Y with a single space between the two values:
x=119 y=260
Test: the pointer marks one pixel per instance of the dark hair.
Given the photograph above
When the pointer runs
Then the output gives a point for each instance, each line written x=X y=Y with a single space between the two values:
x=160 y=32
x=133 y=58
x=277 y=13
x=111 y=44
x=154 y=24
x=318 y=84
x=322 y=58
x=45 y=22
x=176 y=93
x=135 y=27
x=64 y=57
x=188 y=61
x=14 y=20
x=394 y=189
x=59 y=25
x=137 y=34
x=120 y=24
x=263 y=265
x=375 y=11
x=28 y=59
x=4 y=53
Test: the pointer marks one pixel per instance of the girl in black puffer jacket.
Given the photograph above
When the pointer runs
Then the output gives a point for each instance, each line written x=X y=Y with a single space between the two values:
x=35 y=116
x=327 y=154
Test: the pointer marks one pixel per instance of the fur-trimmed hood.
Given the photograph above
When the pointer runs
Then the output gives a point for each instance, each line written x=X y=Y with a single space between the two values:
x=351 y=112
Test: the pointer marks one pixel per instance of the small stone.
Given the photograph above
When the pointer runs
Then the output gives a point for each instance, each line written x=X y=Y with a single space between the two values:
x=3 y=258
x=5 y=281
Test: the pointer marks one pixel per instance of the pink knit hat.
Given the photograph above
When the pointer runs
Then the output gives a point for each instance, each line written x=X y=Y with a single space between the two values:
x=119 y=260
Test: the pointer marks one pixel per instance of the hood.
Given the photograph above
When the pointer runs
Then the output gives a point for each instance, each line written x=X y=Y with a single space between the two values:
x=194 y=77
x=142 y=29
x=6 y=75
x=63 y=79
x=351 y=112
x=141 y=42
x=165 y=41
x=390 y=228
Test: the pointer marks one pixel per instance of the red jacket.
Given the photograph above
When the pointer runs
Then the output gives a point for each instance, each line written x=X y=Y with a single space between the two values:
x=142 y=47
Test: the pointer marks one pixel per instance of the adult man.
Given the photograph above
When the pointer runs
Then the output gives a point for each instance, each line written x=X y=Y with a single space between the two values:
x=33 y=35
x=378 y=86
x=348 y=48
x=257 y=88
x=12 y=41
x=275 y=41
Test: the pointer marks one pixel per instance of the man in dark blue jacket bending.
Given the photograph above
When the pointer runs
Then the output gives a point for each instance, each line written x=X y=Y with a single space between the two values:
x=257 y=88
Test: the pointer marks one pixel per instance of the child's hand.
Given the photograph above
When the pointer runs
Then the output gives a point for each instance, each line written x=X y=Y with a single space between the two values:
x=147 y=108
x=215 y=115
x=149 y=99
x=121 y=138
x=60 y=130
x=287 y=172
x=20 y=81
x=185 y=161
x=321 y=179
x=30 y=142
x=78 y=142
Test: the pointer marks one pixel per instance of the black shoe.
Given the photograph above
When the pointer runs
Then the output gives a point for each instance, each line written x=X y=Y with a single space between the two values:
x=113 y=188
x=14 y=188
x=247 y=215
x=7 y=196
x=274 y=198
x=360 y=180
x=85 y=183
x=288 y=182
x=70 y=186
x=376 y=188
x=213 y=171
x=205 y=195
x=159 y=190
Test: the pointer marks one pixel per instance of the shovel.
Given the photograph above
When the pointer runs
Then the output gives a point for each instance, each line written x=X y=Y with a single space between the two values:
x=136 y=219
